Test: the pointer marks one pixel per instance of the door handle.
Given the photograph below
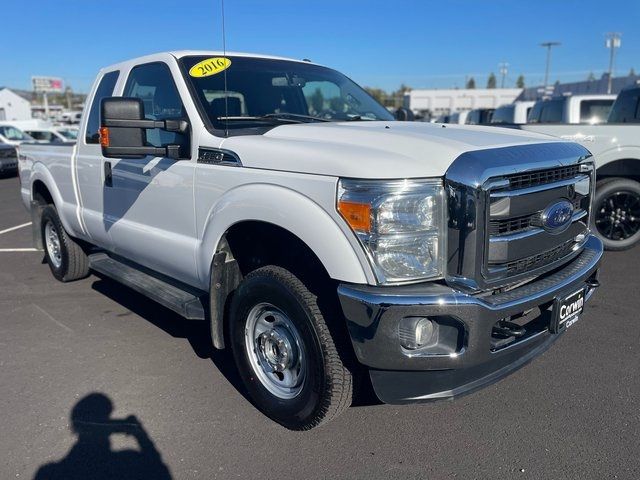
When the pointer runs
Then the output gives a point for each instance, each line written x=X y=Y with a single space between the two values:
x=108 y=176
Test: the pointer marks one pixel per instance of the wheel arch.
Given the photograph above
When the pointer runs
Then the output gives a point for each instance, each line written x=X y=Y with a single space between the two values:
x=292 y=212
x=622 y=167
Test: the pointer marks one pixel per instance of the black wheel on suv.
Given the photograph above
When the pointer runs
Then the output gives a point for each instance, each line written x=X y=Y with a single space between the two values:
x=617 y=213
x=284 y=352
x=67 y=260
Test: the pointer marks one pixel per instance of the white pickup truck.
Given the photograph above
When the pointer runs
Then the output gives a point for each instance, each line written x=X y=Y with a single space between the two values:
x=320 y=238
x=586 y=109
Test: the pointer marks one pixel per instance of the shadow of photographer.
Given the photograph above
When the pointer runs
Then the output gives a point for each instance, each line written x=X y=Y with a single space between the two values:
x=92 y=456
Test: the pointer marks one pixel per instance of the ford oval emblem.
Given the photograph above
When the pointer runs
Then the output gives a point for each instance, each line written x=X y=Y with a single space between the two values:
x=556 y=217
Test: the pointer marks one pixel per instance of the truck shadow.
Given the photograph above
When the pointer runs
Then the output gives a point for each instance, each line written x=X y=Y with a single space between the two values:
x=92 y=456
x=198 y=334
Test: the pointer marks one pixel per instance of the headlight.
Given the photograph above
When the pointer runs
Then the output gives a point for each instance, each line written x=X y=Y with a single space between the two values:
x=400 y=224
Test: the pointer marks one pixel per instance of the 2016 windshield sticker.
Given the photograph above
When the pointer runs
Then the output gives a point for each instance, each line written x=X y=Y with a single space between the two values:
x=210 y=66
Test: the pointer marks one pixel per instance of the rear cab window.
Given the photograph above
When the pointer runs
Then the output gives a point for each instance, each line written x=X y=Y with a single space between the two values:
x=595 y=111
x=105 y=89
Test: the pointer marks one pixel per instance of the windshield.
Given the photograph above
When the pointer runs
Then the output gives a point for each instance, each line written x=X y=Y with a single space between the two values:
x=12 y=133
x=626 y=108
x=504 y=114
x=69 y=134
x=261 y=92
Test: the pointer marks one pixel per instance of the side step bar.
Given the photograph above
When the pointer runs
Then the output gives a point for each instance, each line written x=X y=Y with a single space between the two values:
x=184 y=300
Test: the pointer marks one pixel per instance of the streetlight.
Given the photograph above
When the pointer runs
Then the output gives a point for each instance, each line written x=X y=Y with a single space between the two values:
x=612 y=42
x=504 y=69
x=548 y=46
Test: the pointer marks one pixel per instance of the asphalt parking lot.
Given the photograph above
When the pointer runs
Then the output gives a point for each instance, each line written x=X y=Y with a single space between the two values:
x=69 y=353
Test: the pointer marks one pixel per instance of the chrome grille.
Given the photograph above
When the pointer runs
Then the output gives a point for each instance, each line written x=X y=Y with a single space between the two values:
x=522 y=223
x=495 y=200
x=542 y=177
x=517 y=241
x=540 y=259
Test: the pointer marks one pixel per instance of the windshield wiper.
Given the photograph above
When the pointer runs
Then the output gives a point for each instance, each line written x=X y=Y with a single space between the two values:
x=286 y=115
x=274 y=117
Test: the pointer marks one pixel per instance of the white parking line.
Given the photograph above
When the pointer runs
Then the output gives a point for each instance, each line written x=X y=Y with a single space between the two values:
x=18 y=250
x=14 y=228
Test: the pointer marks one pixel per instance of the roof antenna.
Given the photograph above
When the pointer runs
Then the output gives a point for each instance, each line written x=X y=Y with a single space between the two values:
x=224 y=54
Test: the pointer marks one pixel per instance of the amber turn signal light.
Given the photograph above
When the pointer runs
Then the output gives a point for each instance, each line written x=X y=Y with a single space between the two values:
x=104 y=136
x=357 y=215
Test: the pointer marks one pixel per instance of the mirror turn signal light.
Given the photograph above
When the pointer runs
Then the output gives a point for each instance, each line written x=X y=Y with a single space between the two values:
x=104 y=136
x=357 y=215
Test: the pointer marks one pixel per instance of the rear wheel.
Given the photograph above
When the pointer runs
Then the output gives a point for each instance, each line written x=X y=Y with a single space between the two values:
x=284 y=352
x=67 y=260
x=616 y=213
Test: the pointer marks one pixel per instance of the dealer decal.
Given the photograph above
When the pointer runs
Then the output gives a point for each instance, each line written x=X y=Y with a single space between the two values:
x=210 y=66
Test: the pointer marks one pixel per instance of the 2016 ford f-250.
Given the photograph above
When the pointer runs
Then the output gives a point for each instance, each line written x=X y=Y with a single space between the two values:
x=321 y=238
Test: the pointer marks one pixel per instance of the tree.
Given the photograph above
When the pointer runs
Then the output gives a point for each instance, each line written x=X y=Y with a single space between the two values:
x=317 y=101
x=398 y=95
x=520 y=81
x=471 y=83
x=591 y=77
x=632 y=72
x=491 y=81
x=377 y=93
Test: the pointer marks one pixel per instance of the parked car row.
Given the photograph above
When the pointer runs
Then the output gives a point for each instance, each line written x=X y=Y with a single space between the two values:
x=11 y=135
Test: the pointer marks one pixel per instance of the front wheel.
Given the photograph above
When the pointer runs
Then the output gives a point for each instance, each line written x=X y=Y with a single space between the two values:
x=616 y=213
x=284 y=352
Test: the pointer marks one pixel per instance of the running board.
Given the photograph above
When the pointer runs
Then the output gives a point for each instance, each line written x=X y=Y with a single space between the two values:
x=184 y=300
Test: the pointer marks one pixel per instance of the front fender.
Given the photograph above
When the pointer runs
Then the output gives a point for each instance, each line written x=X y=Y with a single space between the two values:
x=292 y=211
x=616 y=153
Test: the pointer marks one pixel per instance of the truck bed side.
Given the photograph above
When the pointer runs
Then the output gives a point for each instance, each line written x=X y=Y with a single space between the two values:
x=51 y=166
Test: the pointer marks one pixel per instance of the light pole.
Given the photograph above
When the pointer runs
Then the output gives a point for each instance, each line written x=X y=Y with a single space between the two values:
x=612 y=42
x=548 y=46
x=504 y=69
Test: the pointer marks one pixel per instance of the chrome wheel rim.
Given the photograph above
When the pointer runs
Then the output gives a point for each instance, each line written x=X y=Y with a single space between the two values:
x=618 y=216
x=52 y=240
x=275 y=351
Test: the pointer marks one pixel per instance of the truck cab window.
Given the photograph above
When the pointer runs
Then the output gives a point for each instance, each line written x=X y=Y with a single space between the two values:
x=154 y=85
x=595 y=111
x=105 y=89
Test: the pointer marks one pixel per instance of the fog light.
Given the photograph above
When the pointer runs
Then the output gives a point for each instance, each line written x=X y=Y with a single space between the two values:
x=417 y=332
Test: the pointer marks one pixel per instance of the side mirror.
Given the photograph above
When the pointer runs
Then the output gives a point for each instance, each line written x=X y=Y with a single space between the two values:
x=405 y=115
x=123 y=130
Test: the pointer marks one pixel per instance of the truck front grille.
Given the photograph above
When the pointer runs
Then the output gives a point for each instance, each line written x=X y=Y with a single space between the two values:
x=522 y=223
x=518 y=242
x=542 y=177
x=540 y=259
x=515 y=213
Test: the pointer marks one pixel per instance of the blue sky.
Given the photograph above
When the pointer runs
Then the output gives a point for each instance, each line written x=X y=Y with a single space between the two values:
x=377 y=43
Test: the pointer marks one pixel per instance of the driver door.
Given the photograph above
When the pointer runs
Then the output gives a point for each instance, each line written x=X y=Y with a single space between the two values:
x=148 y=203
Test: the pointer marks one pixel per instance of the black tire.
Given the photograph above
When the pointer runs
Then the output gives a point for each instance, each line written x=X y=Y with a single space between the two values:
x=72 y=263
x=327 y=387
x=617 y=200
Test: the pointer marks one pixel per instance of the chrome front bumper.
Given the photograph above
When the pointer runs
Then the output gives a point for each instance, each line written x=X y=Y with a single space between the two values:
x=401 y=376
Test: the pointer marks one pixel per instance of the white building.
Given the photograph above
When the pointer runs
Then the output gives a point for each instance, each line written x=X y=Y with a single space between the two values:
x=445 y=101
x=13 y=106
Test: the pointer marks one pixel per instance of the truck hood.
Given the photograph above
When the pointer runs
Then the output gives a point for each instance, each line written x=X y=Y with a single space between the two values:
x=368 y=149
